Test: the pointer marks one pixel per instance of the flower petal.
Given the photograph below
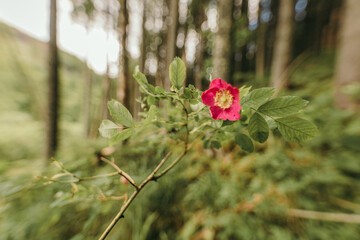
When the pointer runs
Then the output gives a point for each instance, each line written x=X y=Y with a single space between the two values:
x=216 y=112
x=219 y=83
x=233 y=112
x=234 y=92
x=208 y=96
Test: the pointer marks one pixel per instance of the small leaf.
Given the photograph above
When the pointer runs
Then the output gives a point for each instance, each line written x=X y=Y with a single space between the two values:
x=177 y=73
x=121 y=136
x=151 y=100
x=243 y=91
x=206 y=144
x=244 y=142
x=120 y=113
x=187 y=94
x=144 y=84
x=257 y=97
x=258 y=128
x=108 y=129
x=216 y=144
x=283 y=106
x=296 y=129
x=151 y=115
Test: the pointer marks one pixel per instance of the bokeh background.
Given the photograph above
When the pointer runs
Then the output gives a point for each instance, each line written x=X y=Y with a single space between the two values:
x=53 y=96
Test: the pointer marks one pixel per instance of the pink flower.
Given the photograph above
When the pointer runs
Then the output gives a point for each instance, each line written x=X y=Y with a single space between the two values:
x=223 y=100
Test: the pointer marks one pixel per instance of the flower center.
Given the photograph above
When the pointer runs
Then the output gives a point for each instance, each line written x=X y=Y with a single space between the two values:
x=223 y=99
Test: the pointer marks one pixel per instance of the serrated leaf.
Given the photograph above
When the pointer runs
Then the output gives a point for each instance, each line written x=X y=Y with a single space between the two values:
x=108 y=129
x=283 y=106
x=144 y=84
x=244 y=142
x=177 y=73
x=257 y=97
x=258 y=128
x=120 y=114
x=296 y=129
x=121 y=136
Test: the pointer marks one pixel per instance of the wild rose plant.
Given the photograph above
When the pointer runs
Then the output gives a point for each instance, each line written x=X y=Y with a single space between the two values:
x=221 y=113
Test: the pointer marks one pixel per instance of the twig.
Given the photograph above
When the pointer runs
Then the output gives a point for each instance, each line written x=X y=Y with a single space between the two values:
x=98 y=176
x=332 y=217
x=151 y=177
x=121 y=172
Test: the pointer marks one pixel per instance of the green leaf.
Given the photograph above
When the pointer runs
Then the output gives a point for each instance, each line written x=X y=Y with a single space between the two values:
x=120 y=113
x=151 y=115
x=243 y=91
x=257 y=97
x=296 y=129
x=177 y=73
x=108 y=129
x=187 y=94
x=283 y=106
x=216 y=144
x=244 y=142
x=258 y=128
x=121 y=136
x=144 y=84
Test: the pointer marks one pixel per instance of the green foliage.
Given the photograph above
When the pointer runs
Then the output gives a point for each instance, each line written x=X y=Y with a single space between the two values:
x=120 y=113
x=244 y=142
x=258 y=128
x=177 y=73
x=283 y=106
x=257 y=97
x=296 y=129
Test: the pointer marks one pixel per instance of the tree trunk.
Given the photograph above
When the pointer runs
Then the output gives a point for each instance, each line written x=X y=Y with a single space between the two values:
x=123 y=82
x=87 y=99
x=283 y=42
x=222 y=48
x=171 y=35
x=348 y=71
x=260 y=47
x=53 y=91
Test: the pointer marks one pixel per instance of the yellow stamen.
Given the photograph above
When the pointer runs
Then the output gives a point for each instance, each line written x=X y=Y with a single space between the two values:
x=223 y=99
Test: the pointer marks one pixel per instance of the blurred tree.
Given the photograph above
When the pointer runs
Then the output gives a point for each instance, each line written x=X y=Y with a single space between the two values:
x=84 y=11
x=282 y=45
x=260 y=46
x=347 y=78
x=53 y=91
x=222 y=47
x=171 y=34
x=123 y=90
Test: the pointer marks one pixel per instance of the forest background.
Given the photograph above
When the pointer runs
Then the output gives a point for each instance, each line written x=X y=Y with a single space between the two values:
x=52 y=104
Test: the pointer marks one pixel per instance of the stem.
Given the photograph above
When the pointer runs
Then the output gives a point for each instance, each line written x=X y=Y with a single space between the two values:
x=151 y=177
x=98 y=176
x=120 y=172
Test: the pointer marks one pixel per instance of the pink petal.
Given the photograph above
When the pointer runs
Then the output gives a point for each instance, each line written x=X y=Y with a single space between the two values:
x=219 y=83
x=208 y=96
x=216 y=112
x=234 y=92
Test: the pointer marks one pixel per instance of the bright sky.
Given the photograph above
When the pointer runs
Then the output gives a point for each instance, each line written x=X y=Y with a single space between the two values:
x=32 y=17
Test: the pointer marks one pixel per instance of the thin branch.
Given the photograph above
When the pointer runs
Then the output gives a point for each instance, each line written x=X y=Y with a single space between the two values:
x=151 y=177
x=324 y=216
x=98 y=176
x=121 y=172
